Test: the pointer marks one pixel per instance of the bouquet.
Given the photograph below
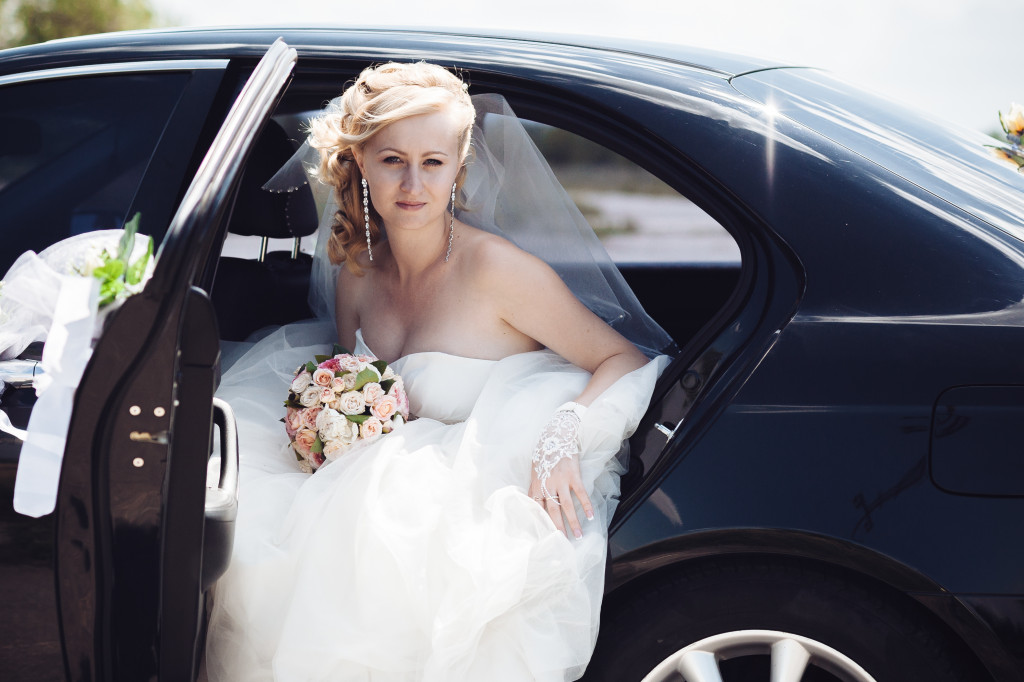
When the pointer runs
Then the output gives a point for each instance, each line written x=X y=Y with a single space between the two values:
x=339 y=399
x=1013 y=127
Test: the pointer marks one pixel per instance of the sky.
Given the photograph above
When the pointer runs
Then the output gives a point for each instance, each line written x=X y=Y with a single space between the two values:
x=954 y=58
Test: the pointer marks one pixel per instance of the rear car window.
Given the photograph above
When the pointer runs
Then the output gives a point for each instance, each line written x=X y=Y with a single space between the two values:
x=73 y=152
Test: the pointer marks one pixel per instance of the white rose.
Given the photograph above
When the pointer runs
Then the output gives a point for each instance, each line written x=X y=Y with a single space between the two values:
x=348 y=381
x=334 y=449
x=366 y=365
x=397 y=420
x=310 y=397
x=351 y=402
x=331 y=425
x=372 y=392
x=388 y=373
x=300 y=383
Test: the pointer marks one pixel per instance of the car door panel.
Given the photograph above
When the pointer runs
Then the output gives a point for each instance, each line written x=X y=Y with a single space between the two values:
x=131 y=500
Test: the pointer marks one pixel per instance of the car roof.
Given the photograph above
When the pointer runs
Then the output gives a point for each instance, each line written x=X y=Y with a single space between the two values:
x=253 y=40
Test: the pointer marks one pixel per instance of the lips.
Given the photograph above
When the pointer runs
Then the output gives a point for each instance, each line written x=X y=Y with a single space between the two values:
x=410 y=205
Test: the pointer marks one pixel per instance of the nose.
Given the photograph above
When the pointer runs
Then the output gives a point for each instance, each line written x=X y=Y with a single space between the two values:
x=411 y=180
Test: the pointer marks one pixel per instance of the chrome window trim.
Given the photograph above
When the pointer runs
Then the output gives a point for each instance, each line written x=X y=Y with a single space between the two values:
x=121 y=67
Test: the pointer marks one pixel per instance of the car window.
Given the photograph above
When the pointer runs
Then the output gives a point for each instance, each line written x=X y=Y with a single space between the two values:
x=73 y=152
x=638 y=218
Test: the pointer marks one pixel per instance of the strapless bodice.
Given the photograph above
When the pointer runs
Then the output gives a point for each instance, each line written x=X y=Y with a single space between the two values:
x=440 y=386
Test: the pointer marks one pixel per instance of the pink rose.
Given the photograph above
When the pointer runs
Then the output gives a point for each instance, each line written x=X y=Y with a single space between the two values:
x=366 y=358
x=372 y=392
x=307 y=418
x=385 y=407
x=327 y=395
x=370 y=428
x=338 y=384
x=331 y=365
x=304 y=440
x=323 y=377
x=292 y=421
x=397 y=390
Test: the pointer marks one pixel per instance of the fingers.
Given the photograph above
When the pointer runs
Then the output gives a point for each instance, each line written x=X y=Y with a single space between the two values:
x=581 y=495
x=555 y=512
x=569 y=509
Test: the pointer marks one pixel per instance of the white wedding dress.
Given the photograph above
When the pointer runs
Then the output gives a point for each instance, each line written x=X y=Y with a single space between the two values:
x=418 y=555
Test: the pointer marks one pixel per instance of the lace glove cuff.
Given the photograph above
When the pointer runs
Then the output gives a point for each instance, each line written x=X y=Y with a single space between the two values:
x=559 y=439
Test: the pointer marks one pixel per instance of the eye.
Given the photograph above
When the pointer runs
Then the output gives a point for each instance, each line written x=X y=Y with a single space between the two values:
x=391 y=160
x=433 y=162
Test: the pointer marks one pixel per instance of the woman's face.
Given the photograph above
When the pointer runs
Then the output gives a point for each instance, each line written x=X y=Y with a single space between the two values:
x=410 y=167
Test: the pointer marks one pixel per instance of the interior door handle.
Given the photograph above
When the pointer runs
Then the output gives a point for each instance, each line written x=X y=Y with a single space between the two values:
x=222 y=501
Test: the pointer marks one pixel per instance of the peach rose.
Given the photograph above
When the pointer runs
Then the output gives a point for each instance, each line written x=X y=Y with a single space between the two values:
x=304 y=440
x=385 y=407
x=327 y=394
x=334 y=449
x=308 y=417
x=338 y=384
x=323 y=377
x=397 y=390
x=370 y=428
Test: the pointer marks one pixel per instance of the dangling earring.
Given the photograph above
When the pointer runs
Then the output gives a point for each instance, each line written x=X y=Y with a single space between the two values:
x=366 y=217
x=451 y=229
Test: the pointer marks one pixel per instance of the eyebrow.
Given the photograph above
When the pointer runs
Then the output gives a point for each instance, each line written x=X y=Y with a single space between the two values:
x=399 y=151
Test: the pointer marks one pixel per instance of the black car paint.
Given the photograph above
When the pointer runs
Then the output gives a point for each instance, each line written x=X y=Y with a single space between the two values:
x=808 y=403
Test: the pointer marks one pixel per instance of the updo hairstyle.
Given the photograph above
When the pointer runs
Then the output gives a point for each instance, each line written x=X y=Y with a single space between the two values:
x=380 y=96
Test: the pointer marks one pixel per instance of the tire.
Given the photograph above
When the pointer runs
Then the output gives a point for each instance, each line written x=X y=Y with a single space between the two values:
x=744 y=605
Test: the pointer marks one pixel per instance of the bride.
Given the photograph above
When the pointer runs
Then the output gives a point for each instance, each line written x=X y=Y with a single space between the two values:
x=469 y=543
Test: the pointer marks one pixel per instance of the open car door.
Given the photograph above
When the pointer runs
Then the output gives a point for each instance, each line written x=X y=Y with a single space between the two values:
x=132 y=566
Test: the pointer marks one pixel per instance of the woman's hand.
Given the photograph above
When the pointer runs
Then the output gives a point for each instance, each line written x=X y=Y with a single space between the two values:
x=556 y=469
x=563 y=482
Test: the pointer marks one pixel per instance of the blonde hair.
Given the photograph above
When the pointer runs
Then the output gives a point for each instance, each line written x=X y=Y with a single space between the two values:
x=380 y=96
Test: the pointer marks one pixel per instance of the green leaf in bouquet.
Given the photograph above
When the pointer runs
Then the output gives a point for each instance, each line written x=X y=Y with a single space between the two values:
x=127 y=243
x=365 y=377
x=322 y=358
x=135 y=271
x=318 y=445
x=291 y=402
x=380 y=365
x=311 y=367
x=109 y=290
x=387 y=384
x=357 y=418
x=340 y=373
x=339 y=349
x=111 y=269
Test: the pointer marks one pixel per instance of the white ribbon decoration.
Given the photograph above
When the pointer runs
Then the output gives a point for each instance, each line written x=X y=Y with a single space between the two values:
x=65 y=355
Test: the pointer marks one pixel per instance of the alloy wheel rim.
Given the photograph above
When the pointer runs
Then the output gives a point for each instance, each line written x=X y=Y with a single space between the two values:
x=791 y=655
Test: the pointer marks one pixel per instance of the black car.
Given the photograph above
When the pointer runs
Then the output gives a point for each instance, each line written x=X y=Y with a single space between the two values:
x=830 y=476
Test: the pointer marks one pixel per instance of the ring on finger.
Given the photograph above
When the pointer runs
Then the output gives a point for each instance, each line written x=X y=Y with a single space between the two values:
x=553 y=498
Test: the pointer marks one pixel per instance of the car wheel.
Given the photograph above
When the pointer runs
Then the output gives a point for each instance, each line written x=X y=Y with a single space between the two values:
x=747 y=620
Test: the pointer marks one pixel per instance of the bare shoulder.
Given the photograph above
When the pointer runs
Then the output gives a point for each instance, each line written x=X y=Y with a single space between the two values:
x=494 y=260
